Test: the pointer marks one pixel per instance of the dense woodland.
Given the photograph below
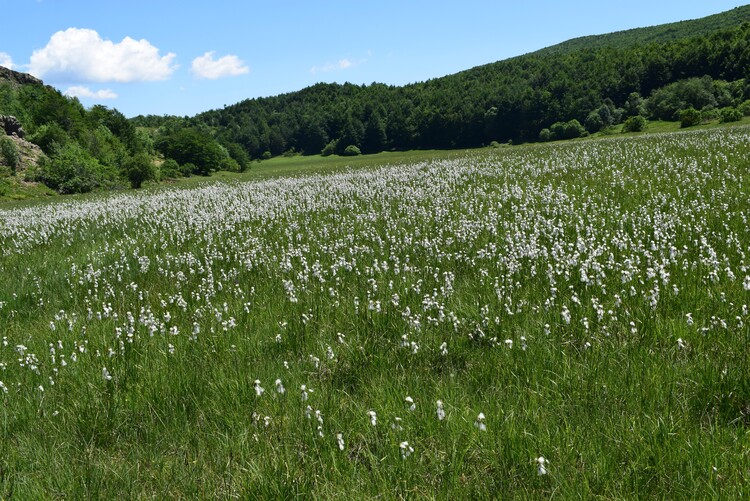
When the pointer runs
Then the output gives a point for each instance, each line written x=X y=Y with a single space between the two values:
x=515 y=99
x=689 y=71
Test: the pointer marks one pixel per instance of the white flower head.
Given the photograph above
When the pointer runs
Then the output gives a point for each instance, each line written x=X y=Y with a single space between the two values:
x=479 y=423
x=106 y=375
x=406 y=449
x=258 y=388
x=340 y=441
x=280 y=387
x=440 y=410
x=541 y=465
x=410 y=402
x=373 y=418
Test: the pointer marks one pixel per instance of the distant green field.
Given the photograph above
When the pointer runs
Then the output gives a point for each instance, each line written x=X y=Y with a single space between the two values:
x=560 y=320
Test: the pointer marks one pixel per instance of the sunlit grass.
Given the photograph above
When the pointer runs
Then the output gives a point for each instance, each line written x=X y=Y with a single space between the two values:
x=588 y=299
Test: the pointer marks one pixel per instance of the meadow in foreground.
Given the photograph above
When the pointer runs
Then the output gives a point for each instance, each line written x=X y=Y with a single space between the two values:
x=548 y=321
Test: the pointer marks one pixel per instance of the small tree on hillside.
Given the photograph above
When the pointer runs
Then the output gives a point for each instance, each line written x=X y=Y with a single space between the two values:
x=139 y=169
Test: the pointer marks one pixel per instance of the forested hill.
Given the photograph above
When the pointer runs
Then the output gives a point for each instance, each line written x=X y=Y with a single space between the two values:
x=580 y=86
x=654 y=34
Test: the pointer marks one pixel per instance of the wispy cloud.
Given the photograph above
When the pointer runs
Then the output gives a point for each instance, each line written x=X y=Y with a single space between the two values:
x=206 y=66
x=81 y=55
x=341 y=64
x=6 y=60
x=85 y=92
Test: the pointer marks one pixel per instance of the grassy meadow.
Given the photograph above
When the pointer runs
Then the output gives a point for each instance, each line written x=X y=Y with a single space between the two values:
x=547 y=321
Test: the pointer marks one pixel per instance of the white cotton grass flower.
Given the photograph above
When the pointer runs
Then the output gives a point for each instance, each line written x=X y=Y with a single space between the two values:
x=440 y=410
x=541 y=465
x=305 y=396
x=396 y=425
x=340 y=441
x=373 y=417
x=681 y=344
x=258 y=388
x=106 y=375
x=479 y=423
x=406 y=449
x=329 y=353
x=410 y=402
x=444 y=349
x=280 y=387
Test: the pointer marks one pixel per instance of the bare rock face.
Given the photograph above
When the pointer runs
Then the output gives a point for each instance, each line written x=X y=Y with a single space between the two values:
x=17 y=77
x=11 y=126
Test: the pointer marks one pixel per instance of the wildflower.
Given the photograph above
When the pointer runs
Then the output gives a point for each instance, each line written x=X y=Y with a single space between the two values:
x=479 y=423
x=258 y=388
x=340 y=441
x=681 y=344
x=280 y=387
x=267 y=421
x=341 y=338
x=444 y=349
x=410 y=402
x=406 y=449
x=440 y=410
x=373 y=418
x=396 y=425
x=304 y=393
x=308 y=412
x=329 y=353
x=541 y=465
x=106 y=375
x=566 y=314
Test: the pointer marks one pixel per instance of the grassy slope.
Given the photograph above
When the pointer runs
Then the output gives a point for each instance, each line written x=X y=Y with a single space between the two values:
x=631 y=416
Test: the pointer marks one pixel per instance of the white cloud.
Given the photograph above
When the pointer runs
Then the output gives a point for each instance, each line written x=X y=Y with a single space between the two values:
x=85 y=92
x=342 y=64
x=81 y=55
x=5 y=60
x=206 y=66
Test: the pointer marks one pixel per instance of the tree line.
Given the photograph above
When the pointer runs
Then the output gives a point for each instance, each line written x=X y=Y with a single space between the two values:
x=513 y=100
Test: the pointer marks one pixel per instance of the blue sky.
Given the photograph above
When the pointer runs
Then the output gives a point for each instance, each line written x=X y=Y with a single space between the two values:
x=183 y=57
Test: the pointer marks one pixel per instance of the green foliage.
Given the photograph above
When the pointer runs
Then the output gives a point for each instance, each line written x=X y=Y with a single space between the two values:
x=49 y=137
x=567 y=130
x=169 y=169
x=690 y=117
x=351 y=151
x=190 y=145
x=9 y=152
x=330 y=148
x=545 y=135
x=730 y=115
x=71 y=169
x=635 y=123
x=745 y=108
x=239 y=155
x=138 y=169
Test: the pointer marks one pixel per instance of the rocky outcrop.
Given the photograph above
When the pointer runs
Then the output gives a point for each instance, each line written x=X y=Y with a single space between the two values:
x=11 y=126
x=18 y=78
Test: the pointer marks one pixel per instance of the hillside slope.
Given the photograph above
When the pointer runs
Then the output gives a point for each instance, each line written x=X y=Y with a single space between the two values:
x=653 y=34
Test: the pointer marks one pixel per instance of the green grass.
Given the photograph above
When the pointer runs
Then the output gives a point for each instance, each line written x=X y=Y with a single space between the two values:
x=187 y=295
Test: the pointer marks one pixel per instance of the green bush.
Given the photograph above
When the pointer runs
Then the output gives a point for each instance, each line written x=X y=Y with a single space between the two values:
x=690 y=117
x=351 y=151
x=545 y=135
x=634 y=124
x=139 y=169
x=169 y=169
x=330 y=148
x=9 y=153
x=730 y=115
x=72 y=170
x=745 y=108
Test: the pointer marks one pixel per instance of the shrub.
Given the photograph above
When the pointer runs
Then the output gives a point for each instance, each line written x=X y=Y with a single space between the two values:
x=330 y=148
x=634 y=124
x=266 y=155
x=72 y=170
x=139 y=169
x=351 y=151
x=690 y=117
x=545 y=135
x=745 y=108
x=170 y=169
x=730 y=115
x=9 y=153
x=567 y=130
